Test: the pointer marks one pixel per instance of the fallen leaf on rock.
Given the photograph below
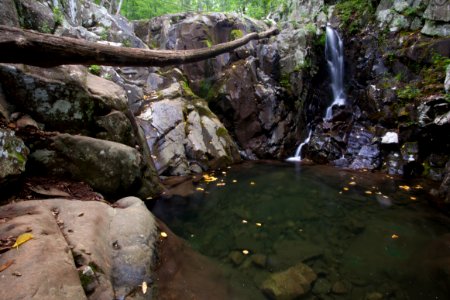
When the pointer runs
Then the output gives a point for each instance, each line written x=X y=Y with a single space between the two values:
x=49 y=192
x=24 y=237
x=144 y=287
x=6 y=265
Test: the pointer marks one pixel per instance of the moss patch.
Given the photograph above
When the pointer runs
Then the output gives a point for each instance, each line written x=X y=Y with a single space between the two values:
x=236 y=34
x=353 y=12
x=221 y=132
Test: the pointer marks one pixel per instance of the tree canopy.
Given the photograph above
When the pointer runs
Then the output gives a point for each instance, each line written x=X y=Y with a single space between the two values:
x=145 y=9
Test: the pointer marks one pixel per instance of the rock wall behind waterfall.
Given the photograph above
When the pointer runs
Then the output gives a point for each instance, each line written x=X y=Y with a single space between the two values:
x=397 y=57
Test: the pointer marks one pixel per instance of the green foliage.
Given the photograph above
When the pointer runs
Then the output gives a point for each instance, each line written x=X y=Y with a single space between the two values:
x=440 y=62
x=236 y=34
x=414 y=10
x=311 y=28
x=126 y=43
x=187 y=90
x=45 y=28
x=351 y=13
x=408 y=93
x=208 y=43
x=320 y=42
x=146 y=9
x=107 y=76
x=104 y=34
x=285 y=81
x=95 y=69
x=205 y=87
x=57 y=16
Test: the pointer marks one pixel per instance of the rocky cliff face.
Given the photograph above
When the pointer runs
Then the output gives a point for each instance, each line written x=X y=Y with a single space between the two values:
x=242 y=87
x=396 y=117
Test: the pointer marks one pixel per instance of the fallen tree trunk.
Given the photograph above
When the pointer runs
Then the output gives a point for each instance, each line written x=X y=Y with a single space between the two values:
x=46 y=50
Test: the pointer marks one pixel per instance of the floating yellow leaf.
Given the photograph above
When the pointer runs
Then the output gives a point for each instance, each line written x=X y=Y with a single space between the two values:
x=394 y=236
x=252 y=183
x=163 y=234
x=245 y=252
x=418 y=187
x=413 y=198
x=404 y=187
x=144 y=287
x=24 y=237
x=345 y=188
x=368 y=192
x=258 y=224
x=200 y=189
x=352 y=183
x=209 y=178
x=221 y=184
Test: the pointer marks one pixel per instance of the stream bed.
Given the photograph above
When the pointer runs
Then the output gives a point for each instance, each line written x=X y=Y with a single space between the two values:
x=366 y=235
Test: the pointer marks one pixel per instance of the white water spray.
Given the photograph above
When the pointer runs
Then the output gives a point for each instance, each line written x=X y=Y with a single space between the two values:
x=298 y=152
x=334 y=54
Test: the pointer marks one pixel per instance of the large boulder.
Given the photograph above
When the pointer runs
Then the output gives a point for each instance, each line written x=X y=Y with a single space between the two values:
x=109 y=167
x=36 y=15
x=65 y=98
x=79 y=249
x=183 y=134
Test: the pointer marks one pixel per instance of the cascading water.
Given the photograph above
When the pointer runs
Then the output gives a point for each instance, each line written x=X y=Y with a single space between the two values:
x=334 y=54
x=298 y=152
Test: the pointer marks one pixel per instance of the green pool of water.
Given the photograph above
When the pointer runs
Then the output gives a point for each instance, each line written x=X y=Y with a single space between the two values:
x=372 y=234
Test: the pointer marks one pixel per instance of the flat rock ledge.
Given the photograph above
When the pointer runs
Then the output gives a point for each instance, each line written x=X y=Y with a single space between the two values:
x=79 y=249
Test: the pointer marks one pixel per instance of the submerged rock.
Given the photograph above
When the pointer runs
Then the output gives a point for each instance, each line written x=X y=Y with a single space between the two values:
x=289 y=252
x=321 y=287
x=290 y=284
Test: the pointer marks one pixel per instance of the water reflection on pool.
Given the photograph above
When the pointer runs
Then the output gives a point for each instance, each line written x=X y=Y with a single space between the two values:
x=365 y=235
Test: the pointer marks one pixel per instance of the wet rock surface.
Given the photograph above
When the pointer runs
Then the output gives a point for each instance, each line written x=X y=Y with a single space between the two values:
x=79 y=249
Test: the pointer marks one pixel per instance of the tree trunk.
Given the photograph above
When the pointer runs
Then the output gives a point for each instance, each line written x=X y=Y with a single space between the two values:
x=119 y=7
x=46 y=50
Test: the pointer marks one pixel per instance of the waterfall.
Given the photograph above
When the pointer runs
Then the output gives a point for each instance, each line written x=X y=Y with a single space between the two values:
x=334 y=54
x=298 y=152
x=73 y=11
